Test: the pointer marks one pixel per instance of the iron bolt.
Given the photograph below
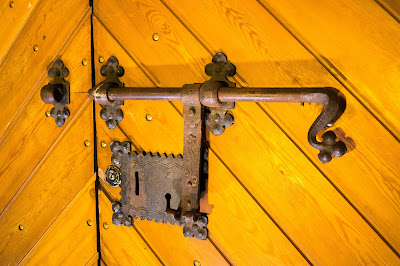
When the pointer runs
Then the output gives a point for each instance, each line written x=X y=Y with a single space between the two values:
x=103 y=144
x=196 y=263
x=101 y=59
x=35 y=48
x=12 y=4
x=87 y=143
x=20 y=227
x=89 y=222
x=47 y=113
x=84 y=62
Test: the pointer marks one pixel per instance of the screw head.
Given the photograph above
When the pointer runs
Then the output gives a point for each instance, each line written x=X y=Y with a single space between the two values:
x=105 y=225
x=84 y=62
x=149 y=117
x=35 y=47
x=101 y=59
x=20 y=227
x=196 y=263
x=89 y=222
x=47 y=113
x=329 y=125
x=87 y=143
x=11 y=4
x=103 y=144
x=156 y=37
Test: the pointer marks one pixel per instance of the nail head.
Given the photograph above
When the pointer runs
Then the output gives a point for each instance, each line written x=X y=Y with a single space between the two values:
x=196 y=263
x=84 y=62
x=35 y=48
x=89 y=222
x=101 y=59
x=47 y=113
x=87 y=143
x=105 y=225
x=149 y=117
x=11 y=4
x=20 y=227
x=156 y=36
x=103 y=144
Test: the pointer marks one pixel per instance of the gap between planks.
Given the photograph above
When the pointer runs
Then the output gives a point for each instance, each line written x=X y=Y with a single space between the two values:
x=340 y=77
x=136 y=145
x=71 y=203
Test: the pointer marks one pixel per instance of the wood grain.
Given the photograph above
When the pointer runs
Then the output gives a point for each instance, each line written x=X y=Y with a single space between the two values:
x=270 y=56
x=280 y=250
x=23 y=67
x=49 y=191
x=360 y=48
x=265 y=161
x=26 y=143
x=70 y=240
x=12 y=21
x=122 y=245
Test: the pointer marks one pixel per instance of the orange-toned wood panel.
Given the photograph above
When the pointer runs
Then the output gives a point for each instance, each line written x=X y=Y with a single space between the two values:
x=22 y=67
x=269 y=56
x=31 y=135
x=358 y=42
x=56 y=182
x=278 y=175
x=70 y=240
x=42 y=167
x=268 y=244
x=13 y=16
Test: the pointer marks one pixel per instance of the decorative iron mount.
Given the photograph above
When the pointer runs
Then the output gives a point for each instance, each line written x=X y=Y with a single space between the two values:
x=169 y=189
x=57 y=92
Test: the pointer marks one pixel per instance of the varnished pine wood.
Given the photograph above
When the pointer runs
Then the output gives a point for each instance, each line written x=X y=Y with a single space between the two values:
x=319 y=203
x=70 y=240
x=22 y=67
x=12 y=19
x=282 y=251
x=24 y=146
x=66 y=170
x=269 y=56
x=358 y=42
x=122 y=245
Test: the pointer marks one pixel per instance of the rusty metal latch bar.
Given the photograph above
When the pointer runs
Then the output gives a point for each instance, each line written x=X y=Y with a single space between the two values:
x=207 y=104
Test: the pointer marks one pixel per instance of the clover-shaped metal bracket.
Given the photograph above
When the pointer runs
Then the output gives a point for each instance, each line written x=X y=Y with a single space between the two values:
x=111 y=111
x=218 y=117
x=57 y=92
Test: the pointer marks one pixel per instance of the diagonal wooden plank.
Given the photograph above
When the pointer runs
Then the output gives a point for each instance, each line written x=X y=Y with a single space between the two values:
x=22 y=69
x=13 y=16
x=282 y=252
x=122 y=245
x=360 y=48
x=240 y=31
x=317 y=204
x=33 y=134
x=49 y=191
x=69 y=240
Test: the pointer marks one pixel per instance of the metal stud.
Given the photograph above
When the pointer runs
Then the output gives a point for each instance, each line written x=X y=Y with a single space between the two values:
x=89 y=222
x=155 y=37
x=87 y=143
x=149 y=117
x=101 y=59
x=103 y=144
x=35 y=47
x=196 y=263
x=11 y=4
x=105 y=225
x=47 y=113
x=84 y=62
x=20 y=227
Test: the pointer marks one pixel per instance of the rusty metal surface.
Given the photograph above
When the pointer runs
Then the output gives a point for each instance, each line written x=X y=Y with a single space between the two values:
x=167 y=188
x=57 y=92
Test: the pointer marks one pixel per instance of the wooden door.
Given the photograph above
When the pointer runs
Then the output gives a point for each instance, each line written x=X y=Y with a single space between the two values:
x=47 y=196
x=274 y=202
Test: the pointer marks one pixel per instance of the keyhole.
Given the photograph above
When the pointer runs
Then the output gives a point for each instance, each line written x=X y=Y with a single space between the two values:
x=168 y=198
x=137 y=183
